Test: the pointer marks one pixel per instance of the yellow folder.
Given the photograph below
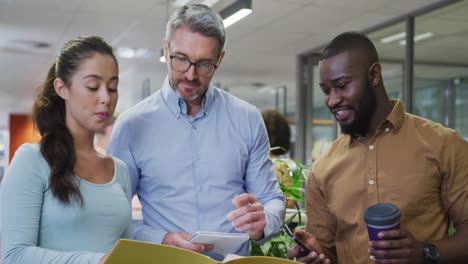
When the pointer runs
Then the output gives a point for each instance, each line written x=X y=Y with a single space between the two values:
x=131 y=251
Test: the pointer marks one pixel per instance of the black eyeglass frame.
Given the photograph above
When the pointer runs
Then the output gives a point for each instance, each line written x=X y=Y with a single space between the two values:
x=194 y=65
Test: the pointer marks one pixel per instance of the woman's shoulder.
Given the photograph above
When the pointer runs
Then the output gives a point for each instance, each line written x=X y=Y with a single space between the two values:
x=121 y=169
x=30 y=154
x=119 y=164
x=28 y=164
x=33 y=148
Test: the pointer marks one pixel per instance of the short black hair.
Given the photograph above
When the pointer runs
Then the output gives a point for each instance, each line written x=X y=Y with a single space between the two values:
x=351 y=41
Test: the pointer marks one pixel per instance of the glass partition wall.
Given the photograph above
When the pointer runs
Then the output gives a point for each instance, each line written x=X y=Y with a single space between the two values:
x=392 y=57
x=424 y=57
x=267 y=96
x=441 y=66
x=461 y=106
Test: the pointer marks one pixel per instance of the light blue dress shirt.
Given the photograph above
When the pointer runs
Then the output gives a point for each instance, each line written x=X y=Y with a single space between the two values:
x=37 y=228
x=186 y=170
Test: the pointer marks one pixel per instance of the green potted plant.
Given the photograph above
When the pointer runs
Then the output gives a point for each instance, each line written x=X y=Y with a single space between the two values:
x=292 y=178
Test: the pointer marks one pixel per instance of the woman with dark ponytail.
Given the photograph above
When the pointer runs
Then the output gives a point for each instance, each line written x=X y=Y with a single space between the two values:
x=61 y=200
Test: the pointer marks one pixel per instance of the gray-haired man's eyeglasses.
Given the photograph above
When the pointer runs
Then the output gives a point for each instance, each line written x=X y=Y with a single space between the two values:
x=181 y=64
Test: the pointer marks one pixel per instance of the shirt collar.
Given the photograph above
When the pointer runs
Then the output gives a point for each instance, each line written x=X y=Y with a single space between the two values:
x=171 y=98
x=397 y=115
x=175 y=103
x=207 y=102
x=395 y=118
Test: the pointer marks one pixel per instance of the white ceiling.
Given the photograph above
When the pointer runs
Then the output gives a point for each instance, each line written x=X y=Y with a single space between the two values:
x=261 y=48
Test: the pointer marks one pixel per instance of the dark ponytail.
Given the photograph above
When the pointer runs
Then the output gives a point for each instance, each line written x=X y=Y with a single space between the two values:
x=48 y=114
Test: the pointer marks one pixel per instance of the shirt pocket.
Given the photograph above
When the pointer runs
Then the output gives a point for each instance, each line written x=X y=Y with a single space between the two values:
x=415 y=192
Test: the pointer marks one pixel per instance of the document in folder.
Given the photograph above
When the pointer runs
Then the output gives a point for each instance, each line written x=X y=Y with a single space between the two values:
x=131 y=251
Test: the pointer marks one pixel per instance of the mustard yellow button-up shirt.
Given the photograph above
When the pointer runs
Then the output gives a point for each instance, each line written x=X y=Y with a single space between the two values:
x=416 y=164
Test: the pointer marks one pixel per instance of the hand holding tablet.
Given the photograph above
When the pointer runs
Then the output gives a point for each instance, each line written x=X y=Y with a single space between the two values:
x=224 y=243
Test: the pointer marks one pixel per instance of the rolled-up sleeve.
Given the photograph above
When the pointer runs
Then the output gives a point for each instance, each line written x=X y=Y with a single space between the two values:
x=320 y=222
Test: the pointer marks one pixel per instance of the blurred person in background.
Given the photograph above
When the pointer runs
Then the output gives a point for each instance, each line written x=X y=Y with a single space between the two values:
x=279 y=135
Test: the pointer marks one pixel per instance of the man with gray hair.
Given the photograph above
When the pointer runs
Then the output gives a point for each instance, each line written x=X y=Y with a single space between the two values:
x=198 y=156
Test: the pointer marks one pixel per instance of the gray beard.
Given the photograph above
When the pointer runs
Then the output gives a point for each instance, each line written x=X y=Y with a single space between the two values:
x=190 y=99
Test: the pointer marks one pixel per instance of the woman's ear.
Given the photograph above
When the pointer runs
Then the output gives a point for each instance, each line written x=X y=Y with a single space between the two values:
x=60 y=88
x=375 y=74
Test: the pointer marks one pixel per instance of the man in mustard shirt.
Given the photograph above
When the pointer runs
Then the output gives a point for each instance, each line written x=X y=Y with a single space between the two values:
x=384 y=155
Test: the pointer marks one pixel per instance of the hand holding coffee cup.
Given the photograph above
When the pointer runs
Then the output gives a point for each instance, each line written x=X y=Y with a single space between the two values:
x=381 y=217
x=395 y=245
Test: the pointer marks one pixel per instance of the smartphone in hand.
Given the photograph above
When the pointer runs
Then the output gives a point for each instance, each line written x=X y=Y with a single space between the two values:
x=290 y=234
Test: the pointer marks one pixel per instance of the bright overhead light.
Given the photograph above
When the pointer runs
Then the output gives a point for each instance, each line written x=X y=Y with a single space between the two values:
x=236 y=11
x=144 y=54
x=131 y=53
x=209 y=2
x=419 y=37
x=126 y=53
x=180 y=2
x=162 y=58
x=423 y=36
x=236 y=17
x=392 y=38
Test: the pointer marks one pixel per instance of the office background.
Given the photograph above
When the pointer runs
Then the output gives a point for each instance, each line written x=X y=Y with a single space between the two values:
x=271 y=59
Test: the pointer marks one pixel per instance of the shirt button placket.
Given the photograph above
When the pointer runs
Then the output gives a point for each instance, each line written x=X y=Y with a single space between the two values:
x=196 y=172
x=371 y=174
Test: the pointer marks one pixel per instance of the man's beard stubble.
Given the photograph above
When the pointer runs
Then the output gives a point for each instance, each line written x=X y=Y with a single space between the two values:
x=175 y=87
x=364 y=113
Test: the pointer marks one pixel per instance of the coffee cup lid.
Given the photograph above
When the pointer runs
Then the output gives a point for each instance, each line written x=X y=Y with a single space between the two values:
x=382 y=214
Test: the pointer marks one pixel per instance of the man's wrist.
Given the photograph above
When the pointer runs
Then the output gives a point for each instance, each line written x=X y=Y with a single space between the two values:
x=262 y=236
x=430 y=253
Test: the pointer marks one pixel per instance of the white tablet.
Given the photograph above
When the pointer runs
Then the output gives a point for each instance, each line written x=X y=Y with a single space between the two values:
x=224 y=243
